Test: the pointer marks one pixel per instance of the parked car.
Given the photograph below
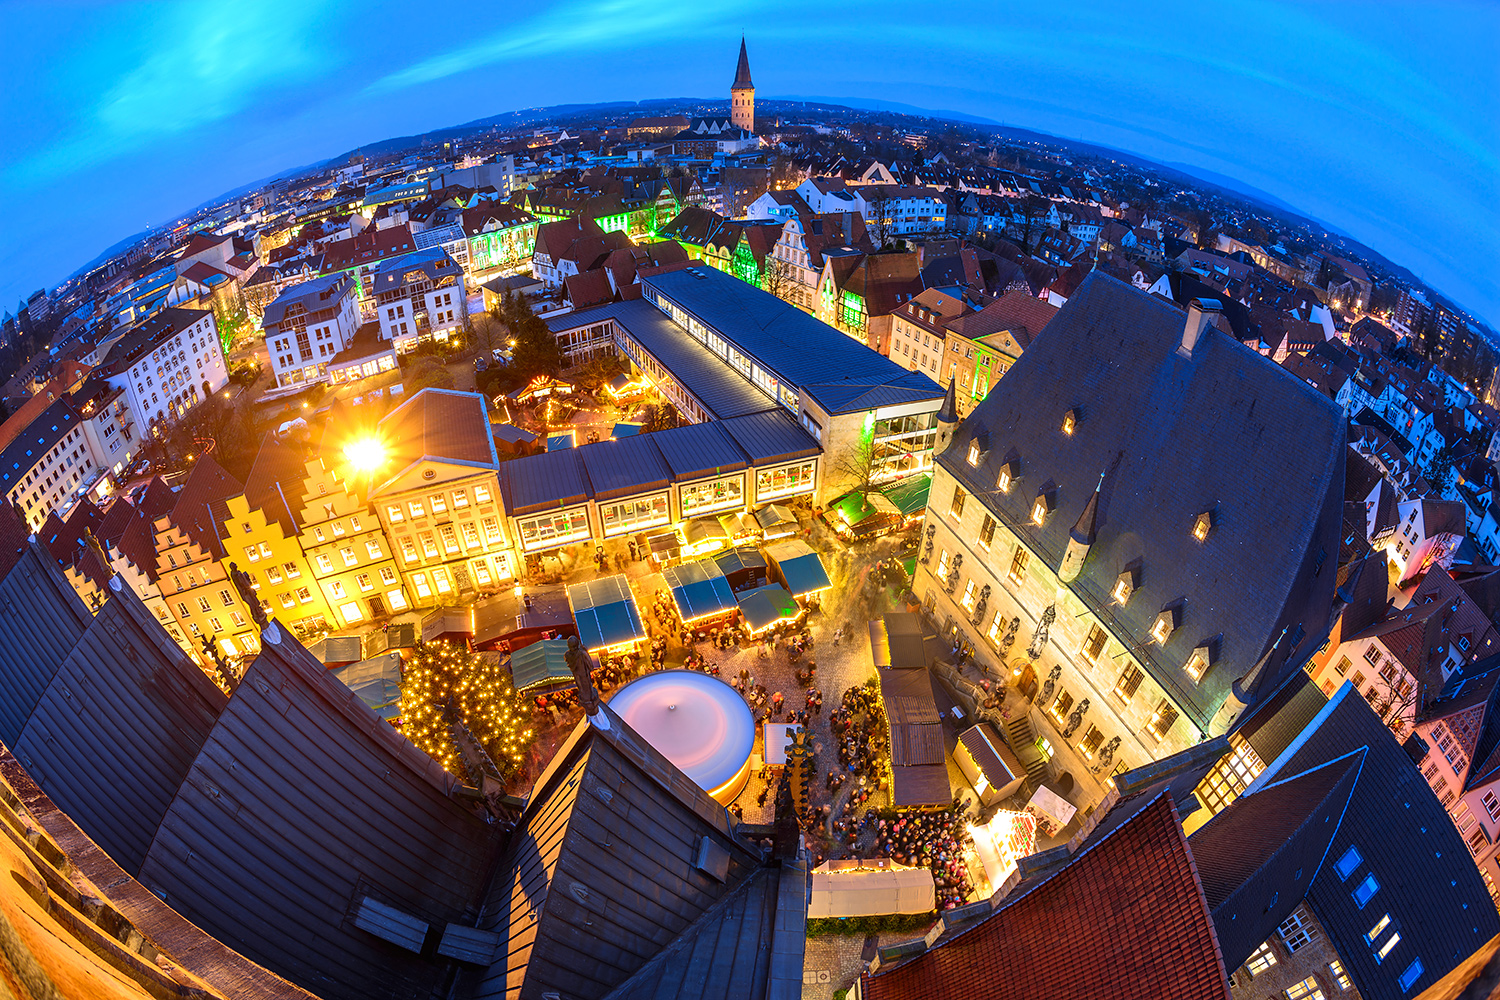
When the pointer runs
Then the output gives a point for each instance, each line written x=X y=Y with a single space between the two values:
x=480 y=364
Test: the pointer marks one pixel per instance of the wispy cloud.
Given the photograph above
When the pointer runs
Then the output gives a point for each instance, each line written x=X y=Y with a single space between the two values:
x=579 y=26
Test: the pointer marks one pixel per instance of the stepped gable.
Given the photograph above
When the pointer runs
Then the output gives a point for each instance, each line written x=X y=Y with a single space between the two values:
x=41 y=620
x=119 y=726
x=620 y=860
x=303 y=805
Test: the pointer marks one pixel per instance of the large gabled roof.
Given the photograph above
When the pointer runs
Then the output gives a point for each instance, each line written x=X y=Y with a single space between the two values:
x=439 y=425
x=207 y=486
x=1223 y=431
x=302 y=804
x=1126 y=917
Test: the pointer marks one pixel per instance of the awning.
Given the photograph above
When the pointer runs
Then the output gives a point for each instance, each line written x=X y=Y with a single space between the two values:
x=699 y=589
x=605 y=612
x=377 y=682
x=864 y=513
x=798 y=567
x=540 y=664
x=768 y=605
x=776 y=521
x=868 y=887
x=560 y=442
x=910 y=494
x=624 y=430
x=740 y=526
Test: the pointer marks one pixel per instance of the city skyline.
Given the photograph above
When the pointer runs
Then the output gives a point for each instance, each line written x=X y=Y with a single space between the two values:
x=1352 y=124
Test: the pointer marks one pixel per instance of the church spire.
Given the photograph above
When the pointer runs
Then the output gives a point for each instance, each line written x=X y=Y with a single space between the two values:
x=1081 y=538
x=742 y=72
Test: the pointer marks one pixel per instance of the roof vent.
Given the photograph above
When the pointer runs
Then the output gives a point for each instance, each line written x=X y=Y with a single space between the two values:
x=1200 y=314
x=390 y=924
x=711 y=859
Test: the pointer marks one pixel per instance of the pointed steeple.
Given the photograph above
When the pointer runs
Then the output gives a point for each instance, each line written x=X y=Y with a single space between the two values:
x=1240 y=693
x=949 y=412
x=1081 y=538
x=742 y=72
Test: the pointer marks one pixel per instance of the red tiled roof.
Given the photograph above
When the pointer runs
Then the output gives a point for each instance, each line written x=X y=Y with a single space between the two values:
x=590 y=288
x=206 y=483
x=1126 y=918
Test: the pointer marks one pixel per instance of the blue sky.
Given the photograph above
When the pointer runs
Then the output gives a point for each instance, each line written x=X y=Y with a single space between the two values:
x=1382 y=119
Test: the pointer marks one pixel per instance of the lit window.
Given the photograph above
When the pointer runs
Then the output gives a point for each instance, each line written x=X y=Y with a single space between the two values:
x=373 y=548
x=1007 y=476
x=1340 y=977
x=973 y=452
x=1130 y=679
x=1201 y=524
x=1385 y=949
x=481 y=494
x=387 y=575
x=460 y=498
x=1060 y=706
x=1261 y=959
x=350 y=559
x=1017 y=574
x=1196 y=665
x=1305 y=990
x=1090 y=743
x=1093 y=644
x=394 y=512
x=1040 y=509
x=1161 y=720
x=416 y=509
x=439 y=503
x=971 y=595
x=957 y=507
x=325 y=564
x=1070 y=421
x=987 y=532
x=1366 y=889
x=1122 y=590
x=942 y=570
x=419 y=580
x=1161 y=629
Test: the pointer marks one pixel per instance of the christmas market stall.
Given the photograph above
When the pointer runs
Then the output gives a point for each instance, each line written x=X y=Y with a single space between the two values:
x=799 y=569
x=705 y=536
x=909 y=496
x=1000 y=843
x=377 y=682
x=454 y=624
x=867 y=887
x=606 y=615
x=744 y=567
x=863 y=515
x=701 y=592
x=989 y=763
x=901 y=650
x=764 y=608
x=540 y=666
x=509 y=620
x=741 y=527
x=337 y=650
x=776 y=522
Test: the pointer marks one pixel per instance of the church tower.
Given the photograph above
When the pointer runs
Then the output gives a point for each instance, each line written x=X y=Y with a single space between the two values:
x=742 y=94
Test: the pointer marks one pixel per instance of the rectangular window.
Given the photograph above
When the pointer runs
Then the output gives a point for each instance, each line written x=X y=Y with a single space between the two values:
x=226 y=598
x=1260 y=960
x=471 y=535
x=440 y=577
x=450 y=539
x=439 y=503
x=203 y=604
x=352 y=612
x=252 y=553
x=1340 y=977
x=287 y=600
x=1305 y=990
x=491 y=529
x=481 y=494
x=1091 y=743
x=216 y=625
x=416 y=509
x=1411 y=975
x=419 y=580
x=304 y=596
x=429 y=545
x=957 y=507
x=397 y=599
x=942 y=570
x=394 y=512
x=408 y=550
x=555 y=528
x=1349 y=861
x=292 y=570
x=387 y=575
x=460 y=498
x=350 y=559
x=1094 y=643
x=325 y=564
x=996 y=623
x=986 y=532
x=336 y=588
x=372 y=548
x=273 y=575
x=971 y=595
x=1297 y=931
x=1060 y=706
x=1017 y=574
x=1385 y=949
x=1492 y=806
x=1365 y=890
x=1130 y=679
x=1161 y=720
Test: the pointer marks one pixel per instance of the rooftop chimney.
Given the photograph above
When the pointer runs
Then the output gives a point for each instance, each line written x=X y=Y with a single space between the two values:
x=1200 y=313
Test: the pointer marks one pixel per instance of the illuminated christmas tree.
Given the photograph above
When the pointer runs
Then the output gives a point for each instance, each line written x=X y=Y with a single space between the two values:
x=443 y=683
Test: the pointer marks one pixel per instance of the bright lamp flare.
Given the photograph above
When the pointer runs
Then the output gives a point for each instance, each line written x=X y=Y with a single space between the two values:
x=365 y=454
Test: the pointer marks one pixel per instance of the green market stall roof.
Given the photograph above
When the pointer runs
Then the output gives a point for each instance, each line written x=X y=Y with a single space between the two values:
x=605 y=612
x=798 y=567
x=910 y=494
x=377 y=682
x=540 y=664
x=766 y=606
x=864 y=513
x=699 y=589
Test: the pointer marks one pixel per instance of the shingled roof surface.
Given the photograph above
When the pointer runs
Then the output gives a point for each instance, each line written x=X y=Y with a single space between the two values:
x=439 y=424
x=1224 y=432
x=602 y=874
x=207 y=485
x=43 y=620
x=119 y=726
x=1125 y=918
x=302 y=804
x=1405 y=840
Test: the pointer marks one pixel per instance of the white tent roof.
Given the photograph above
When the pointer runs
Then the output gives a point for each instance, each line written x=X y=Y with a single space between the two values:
x=869 y=886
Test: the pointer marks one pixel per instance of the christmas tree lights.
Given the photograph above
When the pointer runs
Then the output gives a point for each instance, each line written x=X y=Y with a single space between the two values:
x=443 y=683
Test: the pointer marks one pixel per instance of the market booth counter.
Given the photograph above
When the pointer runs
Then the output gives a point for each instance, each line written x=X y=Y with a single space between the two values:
x=857 y=516
x=776 y=521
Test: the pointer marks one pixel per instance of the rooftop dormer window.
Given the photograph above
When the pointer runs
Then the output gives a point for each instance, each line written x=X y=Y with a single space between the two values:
x=1201 y=524
x=1070 y=422
x=1124 y=587
x=974 y=453
x=1166 y=623
x=1198 y=663
x=1008 y=473
x=1041 y=508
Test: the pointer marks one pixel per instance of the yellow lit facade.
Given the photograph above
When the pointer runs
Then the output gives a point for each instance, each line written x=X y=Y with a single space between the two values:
x=196 y=587
x=277 y=567
x=447 y=530
x=347 y=551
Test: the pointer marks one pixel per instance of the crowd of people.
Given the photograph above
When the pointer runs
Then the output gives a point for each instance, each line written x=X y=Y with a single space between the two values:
x=932 y=839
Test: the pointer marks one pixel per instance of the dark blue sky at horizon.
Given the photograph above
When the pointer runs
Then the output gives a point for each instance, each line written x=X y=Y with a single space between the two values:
x=1381 y=120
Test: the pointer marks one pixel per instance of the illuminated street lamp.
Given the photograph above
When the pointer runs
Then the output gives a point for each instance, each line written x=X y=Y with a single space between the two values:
x=365 y=454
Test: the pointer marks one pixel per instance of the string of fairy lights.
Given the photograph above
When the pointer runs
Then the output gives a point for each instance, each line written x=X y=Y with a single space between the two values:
x=442 y=683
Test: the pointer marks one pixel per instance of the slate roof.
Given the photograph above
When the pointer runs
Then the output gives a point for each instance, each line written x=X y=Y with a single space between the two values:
x=602 y=878
x=770 y=436
x=275 y=480
x=118 y=727
x=550 y=479
x=721 y=390
x=51 y=426
x=1427 y=880
x=1271 y=726
x=207 y=485
x=43 y=620
x=1258 y=857
x=838 y=372
x=301 y=804
x=441 y=425
x=618 y=468
x=1125 y=917
x=1224 y=431
x=693 y=451
x=320 y=298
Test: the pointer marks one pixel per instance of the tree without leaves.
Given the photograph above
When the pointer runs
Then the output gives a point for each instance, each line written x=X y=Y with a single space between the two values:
x=775 y=277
